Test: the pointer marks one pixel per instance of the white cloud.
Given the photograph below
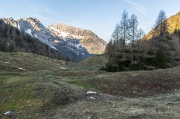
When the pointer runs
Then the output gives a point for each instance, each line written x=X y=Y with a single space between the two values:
x=139 y=7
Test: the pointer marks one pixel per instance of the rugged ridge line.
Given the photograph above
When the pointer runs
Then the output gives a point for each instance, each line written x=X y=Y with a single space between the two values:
x=87 y=38
x=74 y=43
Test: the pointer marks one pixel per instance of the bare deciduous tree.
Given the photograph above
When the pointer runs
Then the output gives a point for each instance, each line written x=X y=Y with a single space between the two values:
x=124 y=26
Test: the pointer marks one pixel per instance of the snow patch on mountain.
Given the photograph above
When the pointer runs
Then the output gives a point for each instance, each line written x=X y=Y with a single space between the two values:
x=5 y=21
x=28 y=31
x=67 y=43
x=89 y=40
x=64 y=34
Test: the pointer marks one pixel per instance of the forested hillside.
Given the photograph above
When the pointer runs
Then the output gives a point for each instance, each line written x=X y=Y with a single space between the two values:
x=130 y=50
x=13 y=40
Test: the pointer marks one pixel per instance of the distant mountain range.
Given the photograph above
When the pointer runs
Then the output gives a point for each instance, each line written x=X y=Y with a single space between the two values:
x=75 y=43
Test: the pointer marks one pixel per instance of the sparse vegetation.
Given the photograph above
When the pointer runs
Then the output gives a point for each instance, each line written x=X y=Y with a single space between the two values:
x=138 y=77
x=45 y=90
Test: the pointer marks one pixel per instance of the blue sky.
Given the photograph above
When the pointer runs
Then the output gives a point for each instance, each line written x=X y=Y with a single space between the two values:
x=100 y=16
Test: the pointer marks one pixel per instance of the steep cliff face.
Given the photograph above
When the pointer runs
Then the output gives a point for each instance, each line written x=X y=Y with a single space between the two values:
x=33 y=27
x=87 y=38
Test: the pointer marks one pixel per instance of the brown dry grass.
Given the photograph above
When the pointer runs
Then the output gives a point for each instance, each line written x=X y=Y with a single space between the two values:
x=44 y=90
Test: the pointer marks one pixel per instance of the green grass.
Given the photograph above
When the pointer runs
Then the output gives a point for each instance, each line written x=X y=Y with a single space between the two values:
x=36 y=91
x=135 y=84
x=26 y=91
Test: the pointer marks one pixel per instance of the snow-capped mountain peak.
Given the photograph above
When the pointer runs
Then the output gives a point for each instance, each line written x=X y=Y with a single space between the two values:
x=87 y=38
x=72 y=42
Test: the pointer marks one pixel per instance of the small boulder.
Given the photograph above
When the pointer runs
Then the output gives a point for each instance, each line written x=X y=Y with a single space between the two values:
x=9 y=113
x=91 y=92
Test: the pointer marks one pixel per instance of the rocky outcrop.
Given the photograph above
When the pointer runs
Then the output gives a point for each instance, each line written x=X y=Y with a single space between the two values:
x=71 y=49
x=74 y=43
x=87 y=38
x=33 y=27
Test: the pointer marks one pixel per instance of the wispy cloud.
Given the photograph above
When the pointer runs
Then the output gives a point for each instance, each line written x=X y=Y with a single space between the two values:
x=40 y=7
x=139 y=7
x=45 y=20
x=43 y=13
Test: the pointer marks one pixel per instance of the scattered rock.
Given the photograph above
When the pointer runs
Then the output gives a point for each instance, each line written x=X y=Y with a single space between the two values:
x=9 y=113
x=6 y=62
x=62 y=68
x=91 y=92
x=88 y=117
x=21 y=68
x=92 y=98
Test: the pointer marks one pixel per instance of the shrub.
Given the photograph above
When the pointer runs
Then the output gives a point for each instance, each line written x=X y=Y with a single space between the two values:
x=137 y=66
x=160 y=60
x=150 y=51
x=150 y=60
x=62 y=97
x=111 y=68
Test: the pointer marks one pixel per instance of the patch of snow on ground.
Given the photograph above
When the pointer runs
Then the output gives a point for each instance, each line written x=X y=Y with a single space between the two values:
x=21 y=68
x=62 y=68
x=6 y=62
x=29 y=32
x=5 y=22
x=7 y=113
x=78 y=46
x=77 y=36
x=92 y=98
x=35 y=35
x=63 y=34
x=91 y=92
x=19 y=27
x=53 y=47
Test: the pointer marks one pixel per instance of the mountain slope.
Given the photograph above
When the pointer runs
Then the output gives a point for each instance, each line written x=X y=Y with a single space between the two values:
x=12 y=40
x=33 y=27
x=87 y=38
x=173 y=24
x=70 y=47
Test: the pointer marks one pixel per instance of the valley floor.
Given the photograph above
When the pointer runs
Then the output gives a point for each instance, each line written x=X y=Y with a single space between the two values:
x=34 y=86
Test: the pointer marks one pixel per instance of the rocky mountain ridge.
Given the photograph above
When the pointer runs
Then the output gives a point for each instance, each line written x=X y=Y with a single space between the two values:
x=87 y=38
x=68 y=40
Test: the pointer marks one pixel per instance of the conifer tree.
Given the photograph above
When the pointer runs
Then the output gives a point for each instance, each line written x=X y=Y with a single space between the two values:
x=161 y=23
